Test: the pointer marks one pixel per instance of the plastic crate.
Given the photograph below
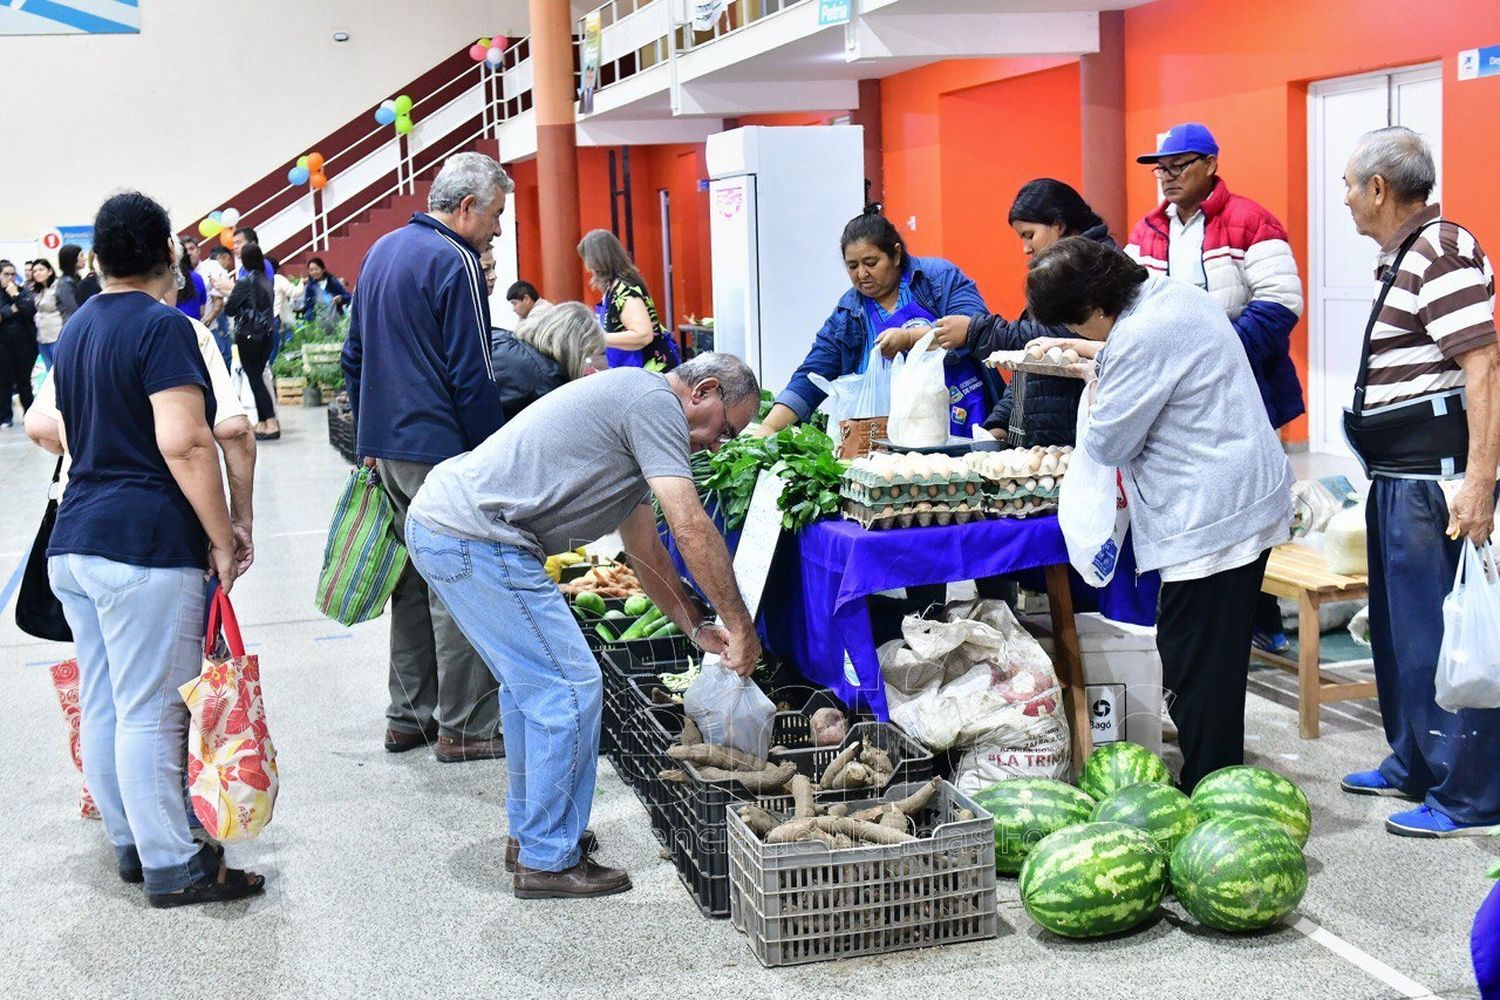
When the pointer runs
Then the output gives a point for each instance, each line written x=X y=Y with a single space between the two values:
x=913 y=761
x=803 y=902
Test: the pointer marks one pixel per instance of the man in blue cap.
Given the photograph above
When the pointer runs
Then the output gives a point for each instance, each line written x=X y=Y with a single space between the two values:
x=1238 y=252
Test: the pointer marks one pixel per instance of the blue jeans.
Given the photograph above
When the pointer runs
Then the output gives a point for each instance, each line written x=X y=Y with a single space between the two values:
x=1447 y=758
x=46 y=351
x=551 y=693
x=223 y=339
x=138 y=633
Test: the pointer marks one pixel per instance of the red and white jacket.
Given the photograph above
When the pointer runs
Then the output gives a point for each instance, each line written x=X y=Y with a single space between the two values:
x=1246 y=256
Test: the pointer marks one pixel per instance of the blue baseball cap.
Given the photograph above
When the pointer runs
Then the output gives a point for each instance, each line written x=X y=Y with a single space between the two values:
x=1189 y=137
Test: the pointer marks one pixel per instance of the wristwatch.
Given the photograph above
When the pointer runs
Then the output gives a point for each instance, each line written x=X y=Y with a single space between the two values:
x=693 y=635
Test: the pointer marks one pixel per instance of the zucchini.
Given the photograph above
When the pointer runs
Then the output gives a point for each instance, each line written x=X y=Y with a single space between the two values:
x=642 y=626
x=667 y=630
x=606 y=633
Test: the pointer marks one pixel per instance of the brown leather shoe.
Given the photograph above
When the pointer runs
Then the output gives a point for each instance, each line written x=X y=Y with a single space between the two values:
x=588 y=844
x=582 y=881
x=402 y=740
x=456 y=751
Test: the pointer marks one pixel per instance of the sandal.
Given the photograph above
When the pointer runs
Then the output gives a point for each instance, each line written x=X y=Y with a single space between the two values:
x=230 y=884
x=134 y=875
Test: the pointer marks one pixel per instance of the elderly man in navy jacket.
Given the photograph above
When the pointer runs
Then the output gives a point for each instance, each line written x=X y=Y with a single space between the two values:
x=417 y=363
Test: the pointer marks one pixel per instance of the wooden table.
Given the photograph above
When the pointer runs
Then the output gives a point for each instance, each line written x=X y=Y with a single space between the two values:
x=1301 y=574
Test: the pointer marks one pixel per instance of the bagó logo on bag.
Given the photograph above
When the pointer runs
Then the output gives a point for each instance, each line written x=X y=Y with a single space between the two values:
x=1105 y=559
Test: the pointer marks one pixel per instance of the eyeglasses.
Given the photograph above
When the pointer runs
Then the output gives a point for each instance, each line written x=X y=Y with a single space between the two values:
x=727 y=431
x=1173 y=170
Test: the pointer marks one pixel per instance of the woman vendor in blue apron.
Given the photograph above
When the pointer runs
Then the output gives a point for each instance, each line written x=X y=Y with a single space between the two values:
x=633 y=333
x=896 y=297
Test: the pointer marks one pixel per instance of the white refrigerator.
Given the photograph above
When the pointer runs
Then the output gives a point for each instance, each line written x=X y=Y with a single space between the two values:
x=778 y=200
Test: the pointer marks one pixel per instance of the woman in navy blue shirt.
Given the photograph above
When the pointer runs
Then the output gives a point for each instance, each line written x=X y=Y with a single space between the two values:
x=895 y=299
x=143 y=518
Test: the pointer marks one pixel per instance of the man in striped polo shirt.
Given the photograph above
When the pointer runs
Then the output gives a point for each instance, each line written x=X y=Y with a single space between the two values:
x=1433 y=348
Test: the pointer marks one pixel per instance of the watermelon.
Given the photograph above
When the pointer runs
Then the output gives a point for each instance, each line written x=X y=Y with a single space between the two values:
x=1117 y=765
x=1160 y=810
x=1093 y=879
x=1025 y=811
x=1243 y=790
x=1238 y=873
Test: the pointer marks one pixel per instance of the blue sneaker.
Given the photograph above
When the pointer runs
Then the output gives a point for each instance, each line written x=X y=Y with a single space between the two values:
x=1373 y=783
x=1425 y=821
x=1270 y=642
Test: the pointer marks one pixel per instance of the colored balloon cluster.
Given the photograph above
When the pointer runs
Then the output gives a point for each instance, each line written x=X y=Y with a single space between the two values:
x=489 y=50
x=220 y=223
x=309 y=170
x=397 y=112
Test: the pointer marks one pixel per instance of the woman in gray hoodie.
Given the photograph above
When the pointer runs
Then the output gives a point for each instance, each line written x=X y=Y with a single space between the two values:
x=1174 y=406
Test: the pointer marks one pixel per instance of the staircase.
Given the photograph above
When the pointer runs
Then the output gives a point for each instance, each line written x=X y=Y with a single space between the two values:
x=347 y=247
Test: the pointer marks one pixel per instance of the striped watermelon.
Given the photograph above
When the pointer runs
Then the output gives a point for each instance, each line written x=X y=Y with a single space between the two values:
x=1160 y=810
x=1093 y=879
x=1243 y=790
x=1117 y=765
x=1025 y=811
x=1238 y=873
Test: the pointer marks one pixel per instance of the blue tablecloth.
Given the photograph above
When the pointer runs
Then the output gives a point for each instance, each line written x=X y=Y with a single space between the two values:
x=815 y=606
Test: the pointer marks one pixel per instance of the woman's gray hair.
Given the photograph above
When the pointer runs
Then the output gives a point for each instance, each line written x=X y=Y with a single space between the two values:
x=566 y=332
x=1398 y=155
x=465 y=174
x=736 y=380
x=604 y=255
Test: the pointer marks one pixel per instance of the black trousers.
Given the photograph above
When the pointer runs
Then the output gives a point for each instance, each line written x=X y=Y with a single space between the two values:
x=253 y=359
x=1203 y=636
x=17 y=358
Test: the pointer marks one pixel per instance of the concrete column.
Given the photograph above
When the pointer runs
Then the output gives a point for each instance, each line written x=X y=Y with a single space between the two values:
x=868 y=116
x=556 y=149
x=1102 y=94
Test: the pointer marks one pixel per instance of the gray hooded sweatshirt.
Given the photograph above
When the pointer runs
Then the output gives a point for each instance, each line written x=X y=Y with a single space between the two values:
x=1178 y=411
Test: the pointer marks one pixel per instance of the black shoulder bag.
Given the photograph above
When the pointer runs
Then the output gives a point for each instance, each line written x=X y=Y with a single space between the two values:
x=38 y=611
x=1422 y=438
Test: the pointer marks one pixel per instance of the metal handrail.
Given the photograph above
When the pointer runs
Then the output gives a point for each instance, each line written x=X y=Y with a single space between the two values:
x=402 y=179
x=769 y=8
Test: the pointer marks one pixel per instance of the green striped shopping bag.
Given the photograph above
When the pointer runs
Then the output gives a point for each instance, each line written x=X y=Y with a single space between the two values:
x=364 y=557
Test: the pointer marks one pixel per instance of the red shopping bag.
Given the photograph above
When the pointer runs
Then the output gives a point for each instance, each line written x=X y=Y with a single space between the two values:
x=232 y=776
x=65 y=682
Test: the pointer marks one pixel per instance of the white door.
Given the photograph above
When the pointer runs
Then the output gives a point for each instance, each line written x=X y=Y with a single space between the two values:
x=1341 y=283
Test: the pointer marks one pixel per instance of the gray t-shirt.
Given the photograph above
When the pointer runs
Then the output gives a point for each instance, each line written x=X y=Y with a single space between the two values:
x=567 y=469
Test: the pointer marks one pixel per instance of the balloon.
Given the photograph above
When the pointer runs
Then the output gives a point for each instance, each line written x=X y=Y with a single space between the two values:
x=494 y=57
x=403 y=125
x=302 y=161
x=315 y=162
x=226 y=237
x=208 y=229
x=231 y=217
x=476 y=53
x=500 y=42
x=388 y=103
x=403 y=105
x=484 y=43
x=318 y=180
x=298 y=175
x=385 y=115
x=217 y=216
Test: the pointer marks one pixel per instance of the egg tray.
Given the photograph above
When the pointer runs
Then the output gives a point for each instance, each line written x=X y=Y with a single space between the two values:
x=920 y=515
x=866 y=488
x=1014 y=489
x=1030 y=508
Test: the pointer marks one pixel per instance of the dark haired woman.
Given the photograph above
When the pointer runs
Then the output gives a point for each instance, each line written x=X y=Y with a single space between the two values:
x=1176 y=408
x=895 y=299
x=252 y=310
x=192 y=298
x=67 y=280
x=143 y=516
x=322 y=290
x=1044 y=211
x=633 y=333
x=49 y=317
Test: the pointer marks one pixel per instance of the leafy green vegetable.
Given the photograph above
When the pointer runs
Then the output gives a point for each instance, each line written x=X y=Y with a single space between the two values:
x=801 y=455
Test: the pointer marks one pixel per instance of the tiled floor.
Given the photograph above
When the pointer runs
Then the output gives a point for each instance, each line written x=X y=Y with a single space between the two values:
x=385 y=875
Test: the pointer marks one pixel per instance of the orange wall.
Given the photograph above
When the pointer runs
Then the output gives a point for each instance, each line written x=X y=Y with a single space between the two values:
x=1248 y=82
x=995 y=137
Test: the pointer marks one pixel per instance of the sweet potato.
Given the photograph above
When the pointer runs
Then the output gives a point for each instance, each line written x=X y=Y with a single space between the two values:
x=854 y=775
x=771 y=779
x=917 y=801
x=828 y=727
x=691 y=736
x=872 y=832
x=758 y=820
x=791 y=831
x=877 y=759
x=802 y=791
x=673 y=774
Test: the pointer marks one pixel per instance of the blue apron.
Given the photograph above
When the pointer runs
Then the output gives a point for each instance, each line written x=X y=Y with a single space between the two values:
x=966 y=402
x=661 y=348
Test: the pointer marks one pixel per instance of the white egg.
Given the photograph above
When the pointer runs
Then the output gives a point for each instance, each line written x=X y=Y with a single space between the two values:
x=1055 y=355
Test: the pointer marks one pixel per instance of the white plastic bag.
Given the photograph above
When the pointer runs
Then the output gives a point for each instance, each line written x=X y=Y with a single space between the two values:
x=1468 y=667
x=919 y=398
x=729 y=709
x=1091 y=511
x=1344 y=542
